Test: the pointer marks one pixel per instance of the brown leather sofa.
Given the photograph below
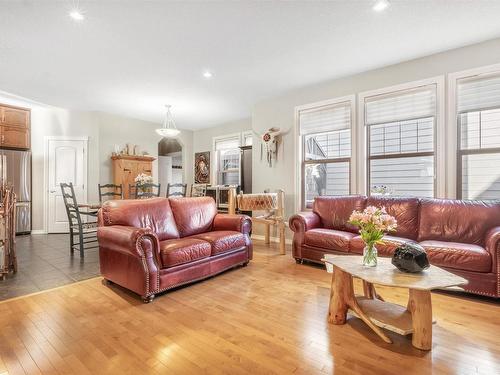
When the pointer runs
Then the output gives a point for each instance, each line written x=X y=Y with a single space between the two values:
x=153 y=245
x=462 y=237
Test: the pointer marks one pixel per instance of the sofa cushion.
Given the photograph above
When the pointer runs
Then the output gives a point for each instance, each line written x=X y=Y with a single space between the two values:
x=383 y=249
x=405 y=210
x=328 y=239
x=155 y=214
x=223 y=240
x=183 y=250
x=193 y=215
x=334 y=211
x=460 y=256
x=457 y=221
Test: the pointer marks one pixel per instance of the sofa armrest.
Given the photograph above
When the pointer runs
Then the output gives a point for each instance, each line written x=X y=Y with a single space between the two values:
x=129 y=240
x=130 y=257
x=304 y=221
x=238 y=223
x=493 y=247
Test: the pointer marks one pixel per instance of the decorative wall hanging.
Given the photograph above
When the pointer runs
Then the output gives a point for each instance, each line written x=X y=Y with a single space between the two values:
x=202 y=167
x=270 y=142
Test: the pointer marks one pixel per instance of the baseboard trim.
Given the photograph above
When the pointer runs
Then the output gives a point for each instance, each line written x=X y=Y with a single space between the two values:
x=38 y=231
x=261 y=237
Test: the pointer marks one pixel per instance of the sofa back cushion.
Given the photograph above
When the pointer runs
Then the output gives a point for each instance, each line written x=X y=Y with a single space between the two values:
x=334 y=211
x=154 y=213
x=193 y=215
x=405 y=210
x=457 y=221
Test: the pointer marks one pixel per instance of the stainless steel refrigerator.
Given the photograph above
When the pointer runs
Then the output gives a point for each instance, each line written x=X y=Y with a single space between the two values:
x=15 y=170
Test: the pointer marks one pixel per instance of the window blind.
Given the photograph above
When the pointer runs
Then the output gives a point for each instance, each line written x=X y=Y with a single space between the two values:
x=325 y=119
x=227 y=143
x=400 y=106
x=475 y=94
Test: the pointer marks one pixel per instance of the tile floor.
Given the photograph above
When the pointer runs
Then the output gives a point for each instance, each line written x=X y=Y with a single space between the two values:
x=44 y=262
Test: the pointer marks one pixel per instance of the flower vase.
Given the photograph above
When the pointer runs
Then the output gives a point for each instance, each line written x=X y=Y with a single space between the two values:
x=370 y=256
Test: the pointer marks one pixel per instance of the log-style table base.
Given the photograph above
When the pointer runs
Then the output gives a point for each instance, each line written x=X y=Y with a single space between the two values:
x=416 y=318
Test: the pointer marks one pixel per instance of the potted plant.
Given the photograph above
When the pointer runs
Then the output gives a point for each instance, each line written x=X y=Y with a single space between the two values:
x=373 y=223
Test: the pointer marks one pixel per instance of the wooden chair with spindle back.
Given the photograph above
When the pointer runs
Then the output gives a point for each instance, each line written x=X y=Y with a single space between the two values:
x=176 y=190
x=148 y=190
x=198 y=190
x=79 y=227
x=110 y=191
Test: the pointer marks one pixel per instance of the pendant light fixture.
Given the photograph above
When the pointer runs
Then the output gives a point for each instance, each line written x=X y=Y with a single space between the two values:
x=168 y=130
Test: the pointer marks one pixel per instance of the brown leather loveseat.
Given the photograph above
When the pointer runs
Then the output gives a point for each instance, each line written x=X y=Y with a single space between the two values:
x=460 y=236
x=152 y=245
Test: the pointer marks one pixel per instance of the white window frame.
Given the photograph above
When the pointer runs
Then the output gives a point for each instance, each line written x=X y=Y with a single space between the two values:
x=452 y=125
x=215 y=159
x=351 y=99
x=439 y=133
x=245 y=135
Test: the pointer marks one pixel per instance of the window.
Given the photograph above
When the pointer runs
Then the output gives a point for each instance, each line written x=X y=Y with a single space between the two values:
x=478 y=121
x=228 y=160
x=400 y=130
x=325 y=134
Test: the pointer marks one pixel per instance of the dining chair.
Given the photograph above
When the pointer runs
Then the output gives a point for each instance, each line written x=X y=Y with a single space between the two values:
x=78 y=227
x=149 y=190
x=198 y=190
x=176 y=190
x=110 y=191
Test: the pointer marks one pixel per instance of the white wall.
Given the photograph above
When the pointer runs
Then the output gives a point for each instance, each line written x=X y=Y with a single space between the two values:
x=279 y=111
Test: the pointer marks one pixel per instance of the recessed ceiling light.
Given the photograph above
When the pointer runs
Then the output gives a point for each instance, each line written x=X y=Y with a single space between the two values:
x=77 y=15
x=381 y=5
x=207 y=74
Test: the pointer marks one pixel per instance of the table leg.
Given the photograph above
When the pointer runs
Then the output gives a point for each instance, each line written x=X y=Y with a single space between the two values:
x=365 y=318
x=420 y=306
x=370 y=292
x=342 y=298
x=342 y=292
x=331 y=294
x=368 y=289
x=267 y=234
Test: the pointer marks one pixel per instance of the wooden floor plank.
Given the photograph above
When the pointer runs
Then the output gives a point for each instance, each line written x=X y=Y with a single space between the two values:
x=267 y=318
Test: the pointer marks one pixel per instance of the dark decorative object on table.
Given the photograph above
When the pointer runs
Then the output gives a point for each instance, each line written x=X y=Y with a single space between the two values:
x=410 y=257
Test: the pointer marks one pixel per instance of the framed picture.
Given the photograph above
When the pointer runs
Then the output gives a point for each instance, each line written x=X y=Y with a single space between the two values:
x=202 y=167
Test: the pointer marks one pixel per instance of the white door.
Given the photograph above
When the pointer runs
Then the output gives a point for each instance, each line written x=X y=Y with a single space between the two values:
x=66 y=162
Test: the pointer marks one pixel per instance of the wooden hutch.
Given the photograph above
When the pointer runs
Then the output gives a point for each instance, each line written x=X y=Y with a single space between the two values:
x=127 y=167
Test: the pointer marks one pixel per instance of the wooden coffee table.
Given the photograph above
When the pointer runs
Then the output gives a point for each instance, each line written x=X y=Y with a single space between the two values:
x=415 y=318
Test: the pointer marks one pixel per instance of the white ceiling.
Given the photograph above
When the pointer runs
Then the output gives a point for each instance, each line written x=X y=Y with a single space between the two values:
x=131 y=57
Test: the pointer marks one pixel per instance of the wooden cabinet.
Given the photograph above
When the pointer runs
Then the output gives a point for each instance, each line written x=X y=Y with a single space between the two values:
x=14 y=127
x=15 y=137
x=127 y=167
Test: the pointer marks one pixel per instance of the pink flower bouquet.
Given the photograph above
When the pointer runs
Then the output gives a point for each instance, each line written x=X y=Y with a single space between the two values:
x=373 y=223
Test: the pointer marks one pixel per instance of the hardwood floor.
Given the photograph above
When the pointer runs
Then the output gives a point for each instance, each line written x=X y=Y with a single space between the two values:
x=267 y=318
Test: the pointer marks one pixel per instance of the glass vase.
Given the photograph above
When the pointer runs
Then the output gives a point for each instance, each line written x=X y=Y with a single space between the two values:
x=370 y=256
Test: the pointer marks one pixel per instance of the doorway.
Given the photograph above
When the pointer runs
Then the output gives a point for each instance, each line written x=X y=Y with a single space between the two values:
x=170 y=163
x=65 y=161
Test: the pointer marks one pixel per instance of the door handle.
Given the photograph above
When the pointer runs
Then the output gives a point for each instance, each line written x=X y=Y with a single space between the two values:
x=52 y=191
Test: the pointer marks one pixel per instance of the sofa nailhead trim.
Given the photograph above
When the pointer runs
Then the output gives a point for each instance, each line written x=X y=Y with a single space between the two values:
x=193 y=280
